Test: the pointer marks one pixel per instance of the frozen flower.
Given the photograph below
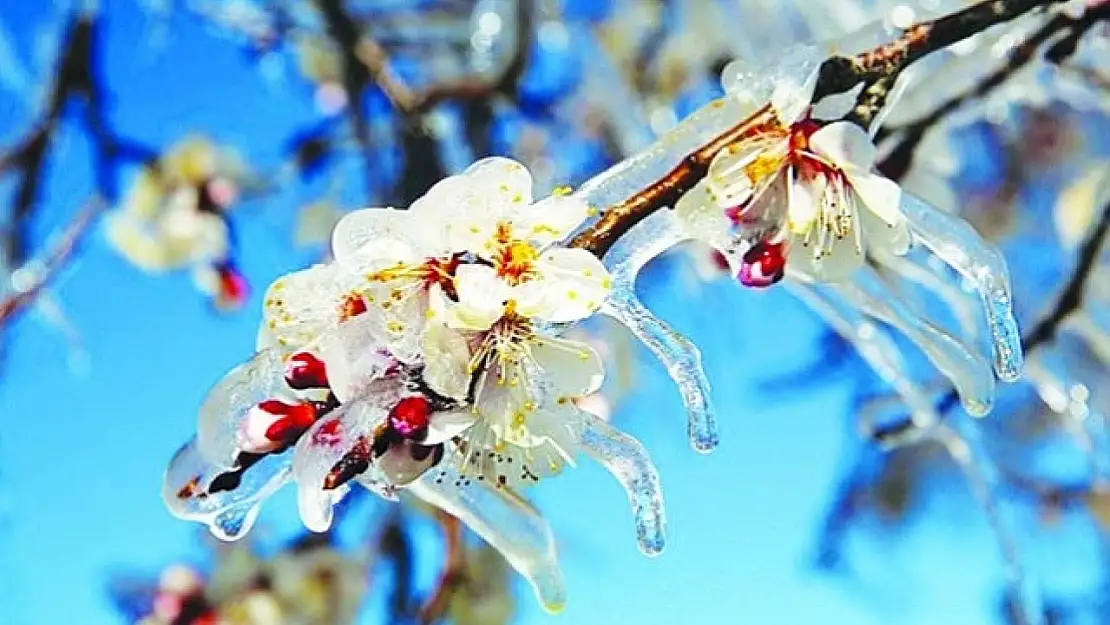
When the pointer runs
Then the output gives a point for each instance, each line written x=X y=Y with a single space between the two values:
x=432 y=342
x=174 y=217
x=808 y=189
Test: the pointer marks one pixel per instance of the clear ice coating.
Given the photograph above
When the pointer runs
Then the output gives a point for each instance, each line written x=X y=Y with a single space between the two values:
x=504 y=520
x=229 y=514
x=628 y=461
x=651 y=237
x=231 y=399
x=956 y=243
x=969 y=374
x=874 y=345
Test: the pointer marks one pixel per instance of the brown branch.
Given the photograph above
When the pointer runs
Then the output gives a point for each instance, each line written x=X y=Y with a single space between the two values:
x=52 y=265
x=666 y=191
x=454 y=573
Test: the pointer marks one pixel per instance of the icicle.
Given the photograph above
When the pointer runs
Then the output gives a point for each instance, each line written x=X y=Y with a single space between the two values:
x=628 y=461
x=968 y=373
x=957 y=244
x=961 y=306
x=874 y=346
x=229 y=513
x=655 y=234
x=966 y=449
x=504 y=520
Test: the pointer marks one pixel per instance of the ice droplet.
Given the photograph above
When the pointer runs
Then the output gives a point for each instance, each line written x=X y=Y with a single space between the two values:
x=654 y=235
x=955 y=242
x=628 y=461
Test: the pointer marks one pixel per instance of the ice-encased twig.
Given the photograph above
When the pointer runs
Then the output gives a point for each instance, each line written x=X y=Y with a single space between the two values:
x=628 y=461
x=956 y=243
x=636 y=172
x=874 y=346
x=967 y=451
x=969 y=374
x=651 y=237
x=229 y=514
x=504 y=520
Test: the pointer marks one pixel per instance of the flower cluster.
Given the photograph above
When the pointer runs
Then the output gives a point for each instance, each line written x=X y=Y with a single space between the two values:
x=426 y=358
x=175 y=217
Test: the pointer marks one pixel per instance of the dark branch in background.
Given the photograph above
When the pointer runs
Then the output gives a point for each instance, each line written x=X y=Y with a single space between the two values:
x=396 y=547
x=899 y=160
x=53 y=264
x=77 y=78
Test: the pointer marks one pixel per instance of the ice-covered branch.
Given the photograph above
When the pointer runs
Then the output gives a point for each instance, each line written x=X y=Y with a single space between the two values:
x=908 y=136
x=877 y=68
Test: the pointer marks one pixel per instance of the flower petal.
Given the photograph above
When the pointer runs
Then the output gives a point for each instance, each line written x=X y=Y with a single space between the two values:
x=573 y=368
x=446 y=361
x=301 y=306
x=844 y=143
x=231 y=400
x=573 y=283
x=505 y=521
x=447 y=424
x=371 y=239
x=229 y=513
x=549 y=220
x=482 y=298
x=881 y=196
x=354 y=358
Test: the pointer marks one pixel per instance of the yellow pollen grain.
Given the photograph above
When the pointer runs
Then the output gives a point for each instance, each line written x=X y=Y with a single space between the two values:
x=572 y=295
x=518 y=419
x=429 y=314
x=607 y=283
x=395 y=326
x=592 y=211
x=562 y=191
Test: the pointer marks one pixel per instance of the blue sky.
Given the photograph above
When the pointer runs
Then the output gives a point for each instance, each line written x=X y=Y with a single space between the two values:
x=81 y=453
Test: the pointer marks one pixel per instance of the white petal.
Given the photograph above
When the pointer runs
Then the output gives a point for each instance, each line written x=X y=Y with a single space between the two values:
x=300 y=306
x=844 y=143
x=803 y=199
x=448 y=424
x=447 y=361
x=573 y=368
x=837 y=264
x=549 y=220
x=881 y=196
x=482 y=298
x=503 y=179
x=702 y=217
x=877 y=234
x=354 y=357
x=371 y=239
x=574 y=284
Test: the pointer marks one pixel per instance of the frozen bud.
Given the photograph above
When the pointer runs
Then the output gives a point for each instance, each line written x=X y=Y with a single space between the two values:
x=764 y=264
x=273 y=424
x=304 y=371
x=410 y=417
